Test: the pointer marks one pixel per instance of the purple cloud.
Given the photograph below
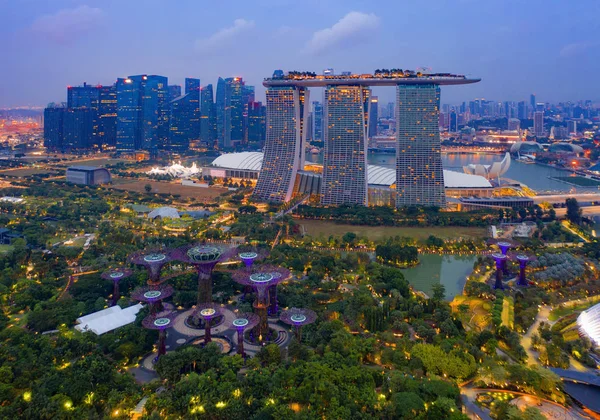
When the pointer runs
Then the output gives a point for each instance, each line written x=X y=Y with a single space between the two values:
x=66 y=25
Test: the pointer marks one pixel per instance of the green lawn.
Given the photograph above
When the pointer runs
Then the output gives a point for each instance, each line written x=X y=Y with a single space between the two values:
x=5 y=248
x=560 y=311
x=324 y=228
x=578 y=180
x=508 y=312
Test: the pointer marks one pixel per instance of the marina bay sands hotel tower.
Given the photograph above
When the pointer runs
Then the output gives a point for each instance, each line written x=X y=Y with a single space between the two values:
x=419 y=174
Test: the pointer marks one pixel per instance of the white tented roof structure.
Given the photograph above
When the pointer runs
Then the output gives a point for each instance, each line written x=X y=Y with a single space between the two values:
x=164 y=213
x=588 y=323
x=378 y=175
x=108 y=319
x=243 y=160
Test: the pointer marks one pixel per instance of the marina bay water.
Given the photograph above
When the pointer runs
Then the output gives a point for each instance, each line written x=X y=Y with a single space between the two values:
x=535 y=176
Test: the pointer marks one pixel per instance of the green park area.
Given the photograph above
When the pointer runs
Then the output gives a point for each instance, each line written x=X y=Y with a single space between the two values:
x=316 y=228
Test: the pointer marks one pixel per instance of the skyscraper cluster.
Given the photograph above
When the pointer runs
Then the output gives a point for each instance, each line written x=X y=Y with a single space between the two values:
x=145 y=113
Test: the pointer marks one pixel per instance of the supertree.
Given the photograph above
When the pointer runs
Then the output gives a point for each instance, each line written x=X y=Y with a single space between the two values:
x=244 y=321
x=523 y=260
x=153 y=295
x=248 y=258
x=153 y=260
x=116 y=275
x=207 y=312
x=297 y=317
x=504 y=246
x=500 y=260
x=264 y=280
x=160 y=322
x=204 y=258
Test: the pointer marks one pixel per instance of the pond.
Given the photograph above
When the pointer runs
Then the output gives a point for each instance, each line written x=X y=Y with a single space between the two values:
x=449 y=270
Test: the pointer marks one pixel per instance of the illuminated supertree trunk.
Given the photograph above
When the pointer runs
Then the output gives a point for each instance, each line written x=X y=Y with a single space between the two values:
x=273 y=308
x=500 y=260
x=207 y=312
x=523 y=261
x=297 y=317
x=504 y=247
x=261 y=279
x=116 y=275
x=161 y=323
x=242 y=323
x=204 y=257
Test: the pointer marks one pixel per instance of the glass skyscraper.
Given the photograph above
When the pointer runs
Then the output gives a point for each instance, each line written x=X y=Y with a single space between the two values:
x=419 y=174
x=220 y=112
x=78 y=128
x=106 y=134
x=180 y=124
x=234 y=110
x=54 y=115
x=192 y=88
x=317 y=121
x=129 y=114
x=373 y=116
x=256 y=124
x=345 y=158
x=208 y=117
x=284 y=148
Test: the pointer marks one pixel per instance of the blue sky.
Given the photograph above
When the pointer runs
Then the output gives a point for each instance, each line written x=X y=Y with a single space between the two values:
x=550 y=47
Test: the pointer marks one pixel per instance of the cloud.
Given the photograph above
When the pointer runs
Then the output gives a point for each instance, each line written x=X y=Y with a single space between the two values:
x=354 y=28
x=571 y=50
x=66 y=25
x=224 y=37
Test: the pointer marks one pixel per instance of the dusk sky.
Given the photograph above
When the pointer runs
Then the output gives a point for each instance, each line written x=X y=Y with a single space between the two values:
x=550 y=47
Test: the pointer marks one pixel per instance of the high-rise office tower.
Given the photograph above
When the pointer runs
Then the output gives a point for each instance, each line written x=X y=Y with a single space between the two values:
x=192 y=87
x=155 y=113
x=234 y=110
x=453 y=122
x=345 y=157
x=106 y=134
x=174 y=92
x=248 y=94
x=181 y=128
x=82 y=98
x=78 y=128
x=572 y=127
x=85 y=96
x=208 y=117
x=391 y=106
x=522 y=110
x=256 y=124
x=54 y=115
x=129 y=114
x=284 y=146
x=538 y=123
x=532 y=102
x=220 y=112
x=317 y=122
x=373 y=116
x=419 y=174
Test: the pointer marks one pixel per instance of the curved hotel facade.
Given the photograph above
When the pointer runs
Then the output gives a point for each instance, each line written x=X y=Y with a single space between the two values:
x=419 y=174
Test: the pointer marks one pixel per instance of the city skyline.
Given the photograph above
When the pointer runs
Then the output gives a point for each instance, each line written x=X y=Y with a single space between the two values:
x=49 y=45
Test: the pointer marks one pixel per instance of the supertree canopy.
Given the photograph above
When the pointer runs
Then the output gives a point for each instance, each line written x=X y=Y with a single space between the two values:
x=116 y=275
x=204 y=258
x=153 y=295
x=264 y=280
x=161 y=323
x=153 y=260
x=504 y=246
x=298 y=317
x=249 y=257
x=207 y=312
x=244 y=321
